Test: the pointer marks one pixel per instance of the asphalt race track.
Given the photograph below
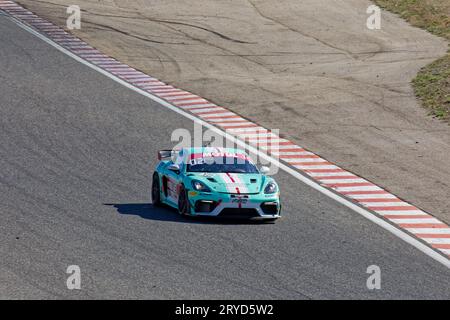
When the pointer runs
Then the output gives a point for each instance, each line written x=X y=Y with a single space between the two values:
x=77 y=152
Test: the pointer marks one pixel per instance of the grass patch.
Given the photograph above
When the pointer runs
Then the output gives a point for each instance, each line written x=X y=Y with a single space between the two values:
x=432 y=83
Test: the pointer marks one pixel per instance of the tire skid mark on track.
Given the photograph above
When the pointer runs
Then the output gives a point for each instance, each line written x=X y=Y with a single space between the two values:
x=379 y=202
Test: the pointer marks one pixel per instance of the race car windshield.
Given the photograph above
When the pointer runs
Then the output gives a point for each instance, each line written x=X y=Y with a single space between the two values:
x=221 y=165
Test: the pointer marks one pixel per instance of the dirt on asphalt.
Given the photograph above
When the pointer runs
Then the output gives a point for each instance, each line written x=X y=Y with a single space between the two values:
x=310 y=68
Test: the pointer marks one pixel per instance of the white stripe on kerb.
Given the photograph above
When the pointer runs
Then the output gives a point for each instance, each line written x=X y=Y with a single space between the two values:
x=211 y=116
x=372 y=196
x=437 y=240
x=303 y=167
x=281 y=147
x=228 y=120
x=244 y=130
x=187 y=102
x=188 y=95
x=259 y=142
x=429 y=230
x=201 y=106
x=192 y=105
x=422 y=220
x=174 y=94
x=386 y=204
x=400 y=212
x=365 y=188
x=333 y=181
x=233 y=124
x=207 y=110
x=136 y=76
x=303 y=160
x=263 y=136
x=331 y=174
x=289 y=153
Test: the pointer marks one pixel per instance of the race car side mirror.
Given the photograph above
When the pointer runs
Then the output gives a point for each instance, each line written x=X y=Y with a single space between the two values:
x=175 y=168
x=264 y=169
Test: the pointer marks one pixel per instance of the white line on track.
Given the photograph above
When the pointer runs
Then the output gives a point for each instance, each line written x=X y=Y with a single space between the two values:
x=303 y=178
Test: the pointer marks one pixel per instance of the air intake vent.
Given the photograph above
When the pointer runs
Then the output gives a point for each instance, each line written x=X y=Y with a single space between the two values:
x=239 y=213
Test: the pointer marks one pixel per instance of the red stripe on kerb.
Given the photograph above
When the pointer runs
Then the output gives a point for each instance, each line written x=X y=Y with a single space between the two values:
x=353 y=184
x=187 y=99
x=174 y=94
x=432 y=235
x=298 y=156
x=296 y=149
x=221 y=117
x=254 y=131
x=423 y=225
x=259 y=142
x=161 y=89
x=232 y=121
x=187 y=104
x=393 y=208
x=248 y=125
x=212 y=112
x=417 y=216
x=138 y=78
x=194 y=110
x=441 y=246
x=365 y=192
x=309 y=163
x=375 y=200
x=323 y=171
x=261 y=138
x=336 y=177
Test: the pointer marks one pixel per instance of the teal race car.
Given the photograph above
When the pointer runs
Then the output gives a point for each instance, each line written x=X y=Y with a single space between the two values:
x=221 y=182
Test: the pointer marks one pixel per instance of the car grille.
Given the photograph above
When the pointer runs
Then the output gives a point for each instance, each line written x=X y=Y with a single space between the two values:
x=239 y=213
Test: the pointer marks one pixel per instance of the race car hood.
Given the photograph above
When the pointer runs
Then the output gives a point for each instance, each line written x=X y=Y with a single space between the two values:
x=237 y=183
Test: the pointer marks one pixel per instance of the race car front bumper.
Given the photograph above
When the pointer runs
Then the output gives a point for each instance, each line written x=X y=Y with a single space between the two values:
x=251 y=206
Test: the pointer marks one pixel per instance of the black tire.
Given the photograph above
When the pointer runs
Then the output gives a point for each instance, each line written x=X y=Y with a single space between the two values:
x=156 y=191
x=184 y=207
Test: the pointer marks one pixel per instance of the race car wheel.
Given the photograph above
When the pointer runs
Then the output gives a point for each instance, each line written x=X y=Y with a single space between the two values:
x=156 y=190
x=184 y=207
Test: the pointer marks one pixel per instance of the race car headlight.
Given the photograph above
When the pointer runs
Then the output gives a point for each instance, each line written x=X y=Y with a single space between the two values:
x=200 y=186
x=270 y=188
